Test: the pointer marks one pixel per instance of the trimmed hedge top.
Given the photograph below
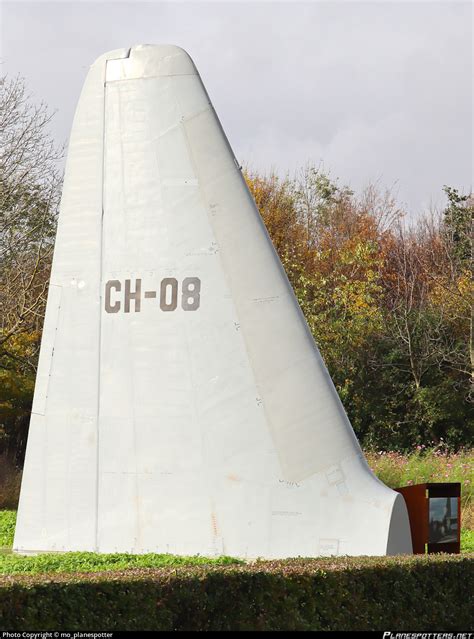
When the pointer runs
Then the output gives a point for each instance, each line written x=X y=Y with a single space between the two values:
x=420 y=593
x=196 y=567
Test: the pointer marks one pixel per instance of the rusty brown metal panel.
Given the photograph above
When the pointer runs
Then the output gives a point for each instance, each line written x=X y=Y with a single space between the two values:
x=417 y=505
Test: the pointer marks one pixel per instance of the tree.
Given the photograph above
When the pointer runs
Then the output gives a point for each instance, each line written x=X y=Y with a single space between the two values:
x=29 y=197
x=458 y=239
x=448 y=266
x=389 y=306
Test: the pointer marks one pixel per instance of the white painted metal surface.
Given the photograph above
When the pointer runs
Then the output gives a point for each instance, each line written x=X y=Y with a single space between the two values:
x=181 y=404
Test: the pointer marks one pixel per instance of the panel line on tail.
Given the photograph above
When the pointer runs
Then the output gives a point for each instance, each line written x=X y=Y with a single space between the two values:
x=99 y=350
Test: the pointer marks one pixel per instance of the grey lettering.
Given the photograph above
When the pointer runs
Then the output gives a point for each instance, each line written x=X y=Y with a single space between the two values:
x=112 y=308
x=164 y=305
x=136 y=295
x=191 y=294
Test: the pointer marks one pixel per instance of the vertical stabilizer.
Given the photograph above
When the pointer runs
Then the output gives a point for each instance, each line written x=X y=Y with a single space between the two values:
x=181 y=403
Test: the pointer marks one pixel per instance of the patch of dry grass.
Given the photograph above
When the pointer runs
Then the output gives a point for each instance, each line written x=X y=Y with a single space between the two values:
x=10 y=482
x=429 y=465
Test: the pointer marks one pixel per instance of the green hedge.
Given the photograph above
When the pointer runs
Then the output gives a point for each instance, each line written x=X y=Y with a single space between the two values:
x=400 y=593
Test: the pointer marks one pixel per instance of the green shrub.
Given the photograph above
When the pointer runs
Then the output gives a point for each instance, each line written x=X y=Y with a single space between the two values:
x=365 y=593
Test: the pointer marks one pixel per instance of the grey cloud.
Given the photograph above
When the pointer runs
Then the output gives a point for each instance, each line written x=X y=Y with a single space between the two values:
x=374 y=90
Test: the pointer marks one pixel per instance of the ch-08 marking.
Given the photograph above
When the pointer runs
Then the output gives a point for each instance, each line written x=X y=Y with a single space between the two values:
x=168 y=295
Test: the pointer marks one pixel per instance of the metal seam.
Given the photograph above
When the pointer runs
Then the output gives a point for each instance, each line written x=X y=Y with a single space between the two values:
x=100 y=315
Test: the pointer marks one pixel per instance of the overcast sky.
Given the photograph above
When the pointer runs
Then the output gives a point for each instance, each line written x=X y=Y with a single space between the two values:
x=375 y=91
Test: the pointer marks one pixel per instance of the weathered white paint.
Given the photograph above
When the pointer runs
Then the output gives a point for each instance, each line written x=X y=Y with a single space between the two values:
x=209 y=431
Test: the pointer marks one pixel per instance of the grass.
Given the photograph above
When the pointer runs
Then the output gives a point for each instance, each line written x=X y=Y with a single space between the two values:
x=72 y=562
x=7 y=528
x=429 y=465
x=467 y=541
x=424 y=465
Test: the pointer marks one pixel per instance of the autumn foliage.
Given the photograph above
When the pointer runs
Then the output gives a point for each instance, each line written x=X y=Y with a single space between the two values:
x=389 y=304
